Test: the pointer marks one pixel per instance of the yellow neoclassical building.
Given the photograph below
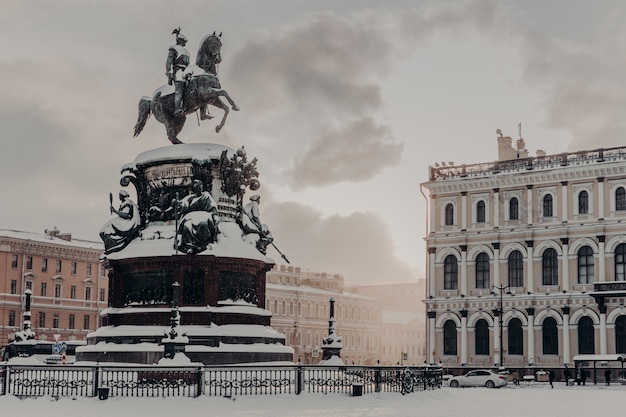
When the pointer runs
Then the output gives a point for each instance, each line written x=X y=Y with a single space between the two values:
x=526 y=258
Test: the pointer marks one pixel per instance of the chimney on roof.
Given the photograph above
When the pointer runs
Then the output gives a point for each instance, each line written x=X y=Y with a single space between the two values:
x=56 y=233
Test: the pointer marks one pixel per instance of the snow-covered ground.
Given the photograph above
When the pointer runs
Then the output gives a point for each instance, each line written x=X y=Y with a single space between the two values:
x=523 y=401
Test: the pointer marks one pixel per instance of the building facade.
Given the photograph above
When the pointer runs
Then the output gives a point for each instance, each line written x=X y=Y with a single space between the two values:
x=65 y=278
x=526 y=258
x=374 y=328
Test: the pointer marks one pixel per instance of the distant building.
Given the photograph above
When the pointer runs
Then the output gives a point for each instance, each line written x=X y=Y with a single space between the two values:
x=64 y=275
x=527 y=258
x=373 y=324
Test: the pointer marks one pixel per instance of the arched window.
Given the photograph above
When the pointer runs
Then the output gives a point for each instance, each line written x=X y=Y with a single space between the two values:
x=516 y=269
x=450 y=273
x=550 y=267
x=550 y=337
x=449 y=214
x=482 y=270
x=620 y=199
x=586 y=340
x=620 y=334
x=449 y=338
x=482 y=337
x=514 y=209
x=480 y=212
x=583 y=202
x=547 y=206
x=516 y=337
x=585 y=265
x=620 y=262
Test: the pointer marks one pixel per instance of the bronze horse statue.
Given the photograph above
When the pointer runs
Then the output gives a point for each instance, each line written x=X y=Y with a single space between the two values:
x=201 y=90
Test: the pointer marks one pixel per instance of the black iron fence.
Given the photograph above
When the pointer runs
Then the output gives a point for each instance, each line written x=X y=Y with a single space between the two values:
x=223 y=381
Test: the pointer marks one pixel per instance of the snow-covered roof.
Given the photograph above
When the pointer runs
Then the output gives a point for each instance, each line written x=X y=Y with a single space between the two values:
x=48 y=239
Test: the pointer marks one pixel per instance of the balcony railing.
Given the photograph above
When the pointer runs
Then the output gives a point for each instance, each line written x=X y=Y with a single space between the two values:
x=439 y=173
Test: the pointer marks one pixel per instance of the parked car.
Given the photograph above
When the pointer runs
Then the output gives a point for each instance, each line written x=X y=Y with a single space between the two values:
x=479 y=378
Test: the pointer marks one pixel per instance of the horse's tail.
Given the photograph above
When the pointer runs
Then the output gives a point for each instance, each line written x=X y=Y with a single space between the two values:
x=144 y=114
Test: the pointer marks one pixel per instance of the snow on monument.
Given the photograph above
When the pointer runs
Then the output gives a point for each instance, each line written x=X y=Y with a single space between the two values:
x=185 y=250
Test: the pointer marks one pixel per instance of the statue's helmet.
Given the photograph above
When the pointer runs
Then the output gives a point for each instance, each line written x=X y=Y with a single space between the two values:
x=181 y=38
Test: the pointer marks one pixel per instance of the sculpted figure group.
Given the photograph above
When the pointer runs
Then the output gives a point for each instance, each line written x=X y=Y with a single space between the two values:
x=196 y=220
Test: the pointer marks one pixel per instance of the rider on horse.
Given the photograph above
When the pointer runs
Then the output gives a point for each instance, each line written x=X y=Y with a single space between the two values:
x=178 y=59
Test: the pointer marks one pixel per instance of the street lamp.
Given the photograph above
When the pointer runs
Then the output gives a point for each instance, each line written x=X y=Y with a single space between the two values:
x=500 y=311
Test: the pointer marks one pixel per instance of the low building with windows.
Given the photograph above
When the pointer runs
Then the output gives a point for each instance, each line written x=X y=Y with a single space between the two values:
x=526 y=258
x=377 y=323
x=64 y=275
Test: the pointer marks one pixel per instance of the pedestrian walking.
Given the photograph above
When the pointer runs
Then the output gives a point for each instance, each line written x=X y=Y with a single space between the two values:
x=567 y=374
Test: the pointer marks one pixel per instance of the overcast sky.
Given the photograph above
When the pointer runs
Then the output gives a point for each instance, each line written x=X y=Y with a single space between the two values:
x=344 y=103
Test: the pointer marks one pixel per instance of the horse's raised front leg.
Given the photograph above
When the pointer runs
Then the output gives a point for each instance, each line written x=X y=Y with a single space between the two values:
x=230 y=100
x=219 y=104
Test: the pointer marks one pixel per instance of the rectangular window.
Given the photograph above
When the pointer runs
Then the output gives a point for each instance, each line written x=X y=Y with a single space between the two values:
x=44 y=287
x=14 y=261
x=57 y=290
x=11 y=318
x=44 y=265
x=13 y=286
x=87 y=293
x=72 y=321
x=73 y=292
x=29 y=262
x=59 y=264
x=55 y=321
x=42 y=319
x=88 y=270
x=29 y=285
x=86 y=322
x=102 y=294
x=73 y=268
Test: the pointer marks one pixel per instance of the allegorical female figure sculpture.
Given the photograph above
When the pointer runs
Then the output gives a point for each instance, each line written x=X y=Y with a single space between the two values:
x=121 y=230
x=198 y=222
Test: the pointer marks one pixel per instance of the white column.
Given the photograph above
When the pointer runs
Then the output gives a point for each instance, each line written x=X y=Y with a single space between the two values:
x=531 y=339
x=432 y=339
x=566 y=336
x=603 y=331
x=530 y=263
x=496 y=207
x=432 y=274
x=601 y=197
x=601 y=261
x=564 y=202
x=566 y=283
x=496 y=340
x=464 y=338
x=497 y=280
x=464 y=270
x=529 y=204
x=463 y=211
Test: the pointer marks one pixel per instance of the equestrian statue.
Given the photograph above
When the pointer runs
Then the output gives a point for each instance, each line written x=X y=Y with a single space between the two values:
x=190 y=88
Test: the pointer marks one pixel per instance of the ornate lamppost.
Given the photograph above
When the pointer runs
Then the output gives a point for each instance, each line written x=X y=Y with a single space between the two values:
x=500 y=314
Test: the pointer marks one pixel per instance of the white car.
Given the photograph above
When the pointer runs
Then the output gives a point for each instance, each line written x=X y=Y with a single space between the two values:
x=479 y=378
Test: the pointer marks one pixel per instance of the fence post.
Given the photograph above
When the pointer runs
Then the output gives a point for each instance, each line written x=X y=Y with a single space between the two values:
x=5 y=380
x=199 y=382
x=96 y=380
x=299 y=375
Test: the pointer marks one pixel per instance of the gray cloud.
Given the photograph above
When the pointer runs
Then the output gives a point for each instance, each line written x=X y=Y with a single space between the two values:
x=357 y=246
x=356 y=151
